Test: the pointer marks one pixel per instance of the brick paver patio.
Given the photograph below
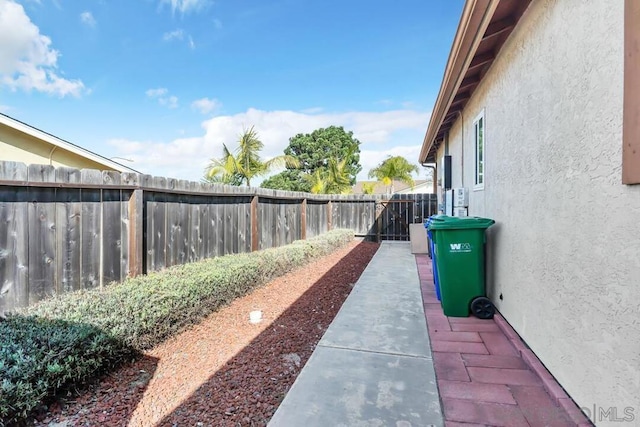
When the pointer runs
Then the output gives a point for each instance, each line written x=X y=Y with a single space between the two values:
x=486 y=375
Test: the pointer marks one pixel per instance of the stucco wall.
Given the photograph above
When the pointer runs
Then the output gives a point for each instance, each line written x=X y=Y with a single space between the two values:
x=16 y=146
x=565 y=253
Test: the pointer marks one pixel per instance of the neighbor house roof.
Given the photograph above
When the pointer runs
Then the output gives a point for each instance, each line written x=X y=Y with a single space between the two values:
x=62 y=144
x=380 y=188
x=484 y=27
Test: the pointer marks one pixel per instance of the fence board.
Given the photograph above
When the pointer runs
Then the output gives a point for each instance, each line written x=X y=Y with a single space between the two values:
x=233 y=218
x=195 y=237
x=42 y=234
x=219 y=226
x=69 y=239
x=14 y=239
x=241 y=224
x=91 y=233
x=203 y=211
x=229 y=236
x=174 y=229
x=158 y=229
x=112 y=230
x=125 y=196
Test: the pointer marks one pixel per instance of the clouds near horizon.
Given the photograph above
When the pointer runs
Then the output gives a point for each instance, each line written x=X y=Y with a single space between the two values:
x=396 y=132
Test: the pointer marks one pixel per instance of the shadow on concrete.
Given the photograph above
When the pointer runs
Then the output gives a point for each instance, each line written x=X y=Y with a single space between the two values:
x=248 y=388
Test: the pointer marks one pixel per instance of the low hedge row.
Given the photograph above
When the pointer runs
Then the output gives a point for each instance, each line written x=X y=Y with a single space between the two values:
x=68 y=339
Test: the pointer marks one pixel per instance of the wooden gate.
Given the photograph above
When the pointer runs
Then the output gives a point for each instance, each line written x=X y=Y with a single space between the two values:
x=394 y=215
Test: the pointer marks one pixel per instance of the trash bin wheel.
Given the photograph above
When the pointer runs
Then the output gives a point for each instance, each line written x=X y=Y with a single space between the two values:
x=482 y=308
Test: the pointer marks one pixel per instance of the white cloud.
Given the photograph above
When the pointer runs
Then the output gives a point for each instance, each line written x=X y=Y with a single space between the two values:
x=398 y=132
x=174 y=35
x=27 y=61
x=161 y=95
x=206 y=105
x=179 y=34
x=185 y=6
x=170 y=101
x=155 y=93
x=88 y=19
x=4 y=108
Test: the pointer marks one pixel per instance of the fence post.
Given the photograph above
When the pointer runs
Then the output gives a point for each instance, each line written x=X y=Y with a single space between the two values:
x=329 y=216
x=379 y=208
x=254 y=224
x=135 y=232
x=303 y=220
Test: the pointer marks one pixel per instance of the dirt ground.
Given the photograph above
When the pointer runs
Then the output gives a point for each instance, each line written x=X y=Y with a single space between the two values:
x=226 y=371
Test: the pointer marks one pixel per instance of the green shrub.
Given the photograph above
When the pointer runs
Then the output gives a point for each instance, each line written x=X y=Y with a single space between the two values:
x=40 y=356
x=69 y=339
x=145 y=310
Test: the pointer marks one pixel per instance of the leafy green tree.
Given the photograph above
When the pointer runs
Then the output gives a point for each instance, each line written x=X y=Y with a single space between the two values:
x=314 y=151
x=290 y=180
x=246 y=163
x=394 y=168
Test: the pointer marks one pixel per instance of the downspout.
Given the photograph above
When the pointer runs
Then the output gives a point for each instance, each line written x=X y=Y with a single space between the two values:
x=434 y=177
x=461 y=115
x=51 y=155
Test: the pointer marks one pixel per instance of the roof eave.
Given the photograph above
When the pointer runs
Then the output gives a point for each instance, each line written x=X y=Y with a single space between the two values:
x=476 y=17
x=54 y=140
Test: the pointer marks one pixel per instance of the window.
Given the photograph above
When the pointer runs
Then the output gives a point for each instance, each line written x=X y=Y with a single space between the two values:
x=478 y=128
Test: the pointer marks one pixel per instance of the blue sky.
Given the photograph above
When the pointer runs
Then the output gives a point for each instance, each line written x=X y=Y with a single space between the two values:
x=165 y=82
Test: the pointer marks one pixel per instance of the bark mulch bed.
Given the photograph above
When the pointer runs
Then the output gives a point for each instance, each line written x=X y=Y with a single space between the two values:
x=225 y=371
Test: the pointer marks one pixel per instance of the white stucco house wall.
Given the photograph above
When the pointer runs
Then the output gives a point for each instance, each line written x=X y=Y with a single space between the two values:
x=539 y=110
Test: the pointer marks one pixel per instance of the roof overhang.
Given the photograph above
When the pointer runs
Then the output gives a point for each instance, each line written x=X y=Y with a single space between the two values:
x=484 y=27
x=62 y=144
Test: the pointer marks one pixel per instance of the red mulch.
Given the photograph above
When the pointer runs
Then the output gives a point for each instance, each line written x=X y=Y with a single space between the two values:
x=225 y=371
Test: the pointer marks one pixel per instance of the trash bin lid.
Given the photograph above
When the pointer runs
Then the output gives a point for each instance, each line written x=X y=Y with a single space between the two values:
x=460 y=223
x=431 y=219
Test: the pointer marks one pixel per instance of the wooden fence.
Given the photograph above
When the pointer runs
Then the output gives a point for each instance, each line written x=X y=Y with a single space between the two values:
x=65 y=229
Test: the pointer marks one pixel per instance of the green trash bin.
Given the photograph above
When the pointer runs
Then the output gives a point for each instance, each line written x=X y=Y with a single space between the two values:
x=459 y=246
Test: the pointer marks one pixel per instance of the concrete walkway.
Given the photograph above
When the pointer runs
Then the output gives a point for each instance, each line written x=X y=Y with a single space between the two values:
x=373 y=366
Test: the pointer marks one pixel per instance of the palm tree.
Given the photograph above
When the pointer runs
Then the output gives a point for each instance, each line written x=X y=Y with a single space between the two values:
x=368 y=187
x=335 y=179
x=338 y=178
x=317 y=181
x=246 y=163
x=394 y=168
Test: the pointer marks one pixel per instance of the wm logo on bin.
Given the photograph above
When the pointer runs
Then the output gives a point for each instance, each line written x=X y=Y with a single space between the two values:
x=460 y=247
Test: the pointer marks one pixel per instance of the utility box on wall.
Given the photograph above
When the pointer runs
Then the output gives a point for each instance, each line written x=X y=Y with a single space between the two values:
x=446 y=185
x=460 y=197
x=448 y=202
x=460 y=212
x=459 y=202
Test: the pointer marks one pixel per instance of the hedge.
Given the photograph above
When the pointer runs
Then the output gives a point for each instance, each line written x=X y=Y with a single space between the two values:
x=40 y=356
x=69 y=339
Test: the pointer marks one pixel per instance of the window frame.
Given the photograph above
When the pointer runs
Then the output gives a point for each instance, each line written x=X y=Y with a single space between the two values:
x=631 y=102
x=480 y=163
